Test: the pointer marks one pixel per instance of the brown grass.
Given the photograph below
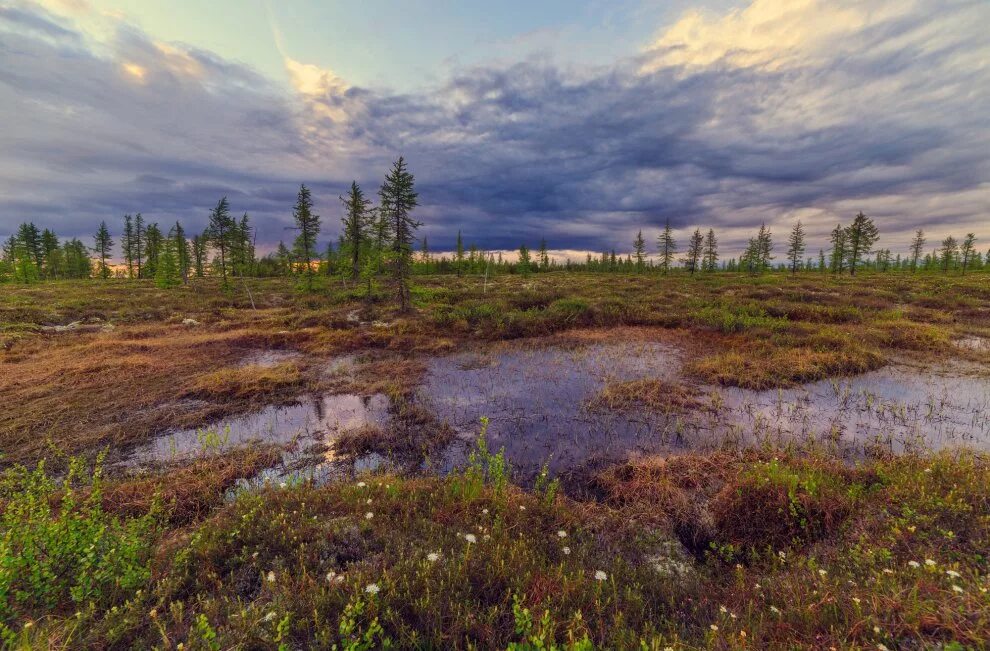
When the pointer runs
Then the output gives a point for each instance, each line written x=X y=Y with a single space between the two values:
x=649 y=393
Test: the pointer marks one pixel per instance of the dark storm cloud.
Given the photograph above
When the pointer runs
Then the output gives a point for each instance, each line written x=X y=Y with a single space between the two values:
x=892 y=122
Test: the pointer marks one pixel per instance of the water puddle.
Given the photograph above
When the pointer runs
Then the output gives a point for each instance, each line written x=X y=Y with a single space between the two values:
x=535 y=402
x=309 y=422
x=896 y=408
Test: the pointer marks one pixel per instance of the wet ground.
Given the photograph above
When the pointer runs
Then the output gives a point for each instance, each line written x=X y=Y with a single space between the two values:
x=536 y=399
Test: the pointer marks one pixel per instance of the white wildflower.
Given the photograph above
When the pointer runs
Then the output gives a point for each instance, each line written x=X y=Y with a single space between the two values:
x=914 y=564
x=369 y=515
x=929 y=562
x=956 y=588
x=822 y=572
x=561 y=534
x=372 y=588
x=566 y=550
x=270 y=615
x=713 y=627
x=775 y=610
x=953 y=574
x=361 y=484
x=433 y=557
x=271 y=576
x=471 y=538
x=600 y=576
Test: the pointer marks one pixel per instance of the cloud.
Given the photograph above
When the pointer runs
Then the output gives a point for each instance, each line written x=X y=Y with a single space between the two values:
x=780 y=111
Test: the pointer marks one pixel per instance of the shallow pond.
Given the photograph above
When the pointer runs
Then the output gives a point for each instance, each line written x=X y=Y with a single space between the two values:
x=536 y=401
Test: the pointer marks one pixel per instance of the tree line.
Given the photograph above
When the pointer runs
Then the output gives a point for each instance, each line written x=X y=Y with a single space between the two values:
x=378 y=241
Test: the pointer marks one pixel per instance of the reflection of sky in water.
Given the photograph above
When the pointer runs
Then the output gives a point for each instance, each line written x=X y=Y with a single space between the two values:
x=317 y=418
x=534 y=399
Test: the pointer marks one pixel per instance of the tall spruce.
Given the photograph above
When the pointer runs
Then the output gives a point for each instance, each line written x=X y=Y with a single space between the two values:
x=398 y=199
x=181 y=247
x=861 y=235
x=219 y=232
x=796 y=246
x=917 y=247
x=127 y=245
x=308 y=227
x=355 y=222
x=153 y=244
x=667 y=248
x=138 y=242
x=102 y=245
x=693 y=256
x=711 y=251
x=544 y=255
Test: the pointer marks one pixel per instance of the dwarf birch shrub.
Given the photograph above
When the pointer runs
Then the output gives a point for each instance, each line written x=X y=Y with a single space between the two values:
x=59 y=549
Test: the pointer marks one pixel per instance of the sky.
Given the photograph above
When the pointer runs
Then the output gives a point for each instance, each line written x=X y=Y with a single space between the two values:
x=578 y=121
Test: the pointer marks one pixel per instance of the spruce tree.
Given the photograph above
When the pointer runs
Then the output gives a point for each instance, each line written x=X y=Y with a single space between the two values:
x=181 y=247
x=219 y=233
x=838 y=239
x=153 y=241
x=667 y=247
x=917 y=246
x=167 y=266
x=967 y=251
x=860 y=237
x=127 y=244
x=137 y=243
x=355 y=222
x=796 y=246
x=398 y=198
x=948 y=253
x=308 y=226
x=102 y=244
x=695 y=246
x=199 y=246
x=711 y=251
x=639 y=250
x=523 y=264
x=544 y=255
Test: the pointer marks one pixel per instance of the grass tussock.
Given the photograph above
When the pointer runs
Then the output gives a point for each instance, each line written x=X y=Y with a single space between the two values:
x=248 y=382
x=651 y=394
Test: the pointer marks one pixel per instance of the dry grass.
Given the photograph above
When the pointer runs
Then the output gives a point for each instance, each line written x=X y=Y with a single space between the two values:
x=651 y=394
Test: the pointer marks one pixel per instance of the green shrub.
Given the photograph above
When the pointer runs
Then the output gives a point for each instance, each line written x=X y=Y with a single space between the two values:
x=59 y=548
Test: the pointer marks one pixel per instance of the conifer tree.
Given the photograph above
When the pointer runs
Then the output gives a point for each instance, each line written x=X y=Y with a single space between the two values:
x=218 y=234
x=181 y=247
x=948 y=253
x=711 y=251
x=102 y=244
x=796 y=246
x=639 y=250
x=137 y=243
x=127 y=244
x=544 y=255
x=695 y=246
x=199 y=246
x=355 y=222
x=308 y=226
x=917 y=246
x=153 y=241
x=967 y=251
x=838 y=239
x=667 y=247
x=523 y=264
x=52 y=258
x=398 y=198
x=860 y=237
x=167 y=266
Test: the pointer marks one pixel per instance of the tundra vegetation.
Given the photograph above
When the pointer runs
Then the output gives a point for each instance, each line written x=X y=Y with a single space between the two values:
x=734 y=546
